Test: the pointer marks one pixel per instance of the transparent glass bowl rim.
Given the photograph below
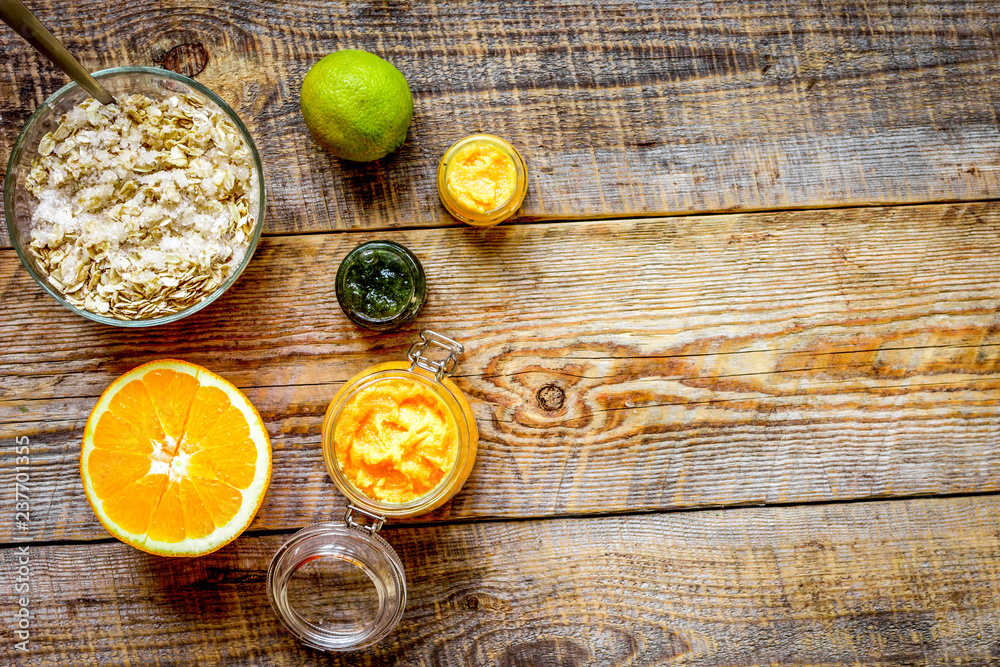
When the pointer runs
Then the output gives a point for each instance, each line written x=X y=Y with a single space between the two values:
x=19 y=147
x=426 y=502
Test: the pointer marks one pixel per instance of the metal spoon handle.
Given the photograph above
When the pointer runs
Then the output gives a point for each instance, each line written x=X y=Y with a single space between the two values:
x=18 y=17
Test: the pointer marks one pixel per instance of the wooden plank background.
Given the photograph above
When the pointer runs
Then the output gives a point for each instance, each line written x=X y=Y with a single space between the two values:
x=620 y=108
x=885 y=583
x=636 y=380
x=717 y=360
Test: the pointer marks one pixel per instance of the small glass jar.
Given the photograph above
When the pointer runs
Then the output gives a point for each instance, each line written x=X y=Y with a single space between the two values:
x=502 y=210
x=349 y=558
x=381 y=285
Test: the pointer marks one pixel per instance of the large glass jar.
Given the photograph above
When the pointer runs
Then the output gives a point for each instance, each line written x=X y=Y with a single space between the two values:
x=340 y=586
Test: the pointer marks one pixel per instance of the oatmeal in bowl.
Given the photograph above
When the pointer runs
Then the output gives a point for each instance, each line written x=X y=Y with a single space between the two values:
x=140 y=212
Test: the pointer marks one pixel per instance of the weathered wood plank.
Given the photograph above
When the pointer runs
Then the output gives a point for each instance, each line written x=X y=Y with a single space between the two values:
x=622 y=366
x=905 y=582
x=619 y=107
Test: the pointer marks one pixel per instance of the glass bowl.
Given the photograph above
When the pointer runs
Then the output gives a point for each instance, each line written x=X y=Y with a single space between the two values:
x=157 y=84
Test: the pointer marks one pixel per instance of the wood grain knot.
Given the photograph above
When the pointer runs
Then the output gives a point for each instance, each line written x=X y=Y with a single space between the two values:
x=186 y=59
x=551 y=397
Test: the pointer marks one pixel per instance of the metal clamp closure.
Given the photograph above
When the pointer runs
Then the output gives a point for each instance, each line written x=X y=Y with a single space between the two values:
x=370 y=528
x=440 y=367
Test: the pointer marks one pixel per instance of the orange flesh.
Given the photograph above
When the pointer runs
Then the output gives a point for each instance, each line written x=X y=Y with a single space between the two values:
x=395 y=441
x=170 y=457
x=481 y=177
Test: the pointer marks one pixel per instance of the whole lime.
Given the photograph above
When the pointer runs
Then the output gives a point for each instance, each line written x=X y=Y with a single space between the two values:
x=357 y=105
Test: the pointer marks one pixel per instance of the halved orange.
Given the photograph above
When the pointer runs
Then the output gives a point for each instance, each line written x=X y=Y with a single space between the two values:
x=175 y=459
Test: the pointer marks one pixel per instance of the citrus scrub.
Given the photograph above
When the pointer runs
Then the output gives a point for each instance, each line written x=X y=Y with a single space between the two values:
x=481 y=177
x=482 y=180
x=395 y=440
x=356 y=105
x=175 y=459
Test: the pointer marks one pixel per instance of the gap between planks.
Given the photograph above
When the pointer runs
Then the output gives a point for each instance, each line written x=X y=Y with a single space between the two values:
x=578 y=516
x=621 y=217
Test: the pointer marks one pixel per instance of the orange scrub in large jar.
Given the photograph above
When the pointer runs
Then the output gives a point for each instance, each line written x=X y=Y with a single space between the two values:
x=395 y=441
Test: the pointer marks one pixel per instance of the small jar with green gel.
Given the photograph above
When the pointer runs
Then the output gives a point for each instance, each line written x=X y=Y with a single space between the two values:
x=380 y=285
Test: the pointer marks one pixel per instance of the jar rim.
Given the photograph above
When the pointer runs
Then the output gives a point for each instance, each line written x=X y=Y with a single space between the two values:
x=369 y=553
x=503 y=210
x=453 y=401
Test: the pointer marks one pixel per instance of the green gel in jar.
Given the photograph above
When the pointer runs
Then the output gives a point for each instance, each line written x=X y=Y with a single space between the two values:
x=380 y=285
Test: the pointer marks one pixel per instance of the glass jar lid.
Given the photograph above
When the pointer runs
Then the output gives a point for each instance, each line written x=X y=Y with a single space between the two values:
x=338 y=586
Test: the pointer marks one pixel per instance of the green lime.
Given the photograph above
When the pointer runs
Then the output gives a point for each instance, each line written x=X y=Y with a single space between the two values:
x=357 y=105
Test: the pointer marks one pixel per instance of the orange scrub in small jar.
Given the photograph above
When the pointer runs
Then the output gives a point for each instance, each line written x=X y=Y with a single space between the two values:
x=482 y=180
x=395 y=440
